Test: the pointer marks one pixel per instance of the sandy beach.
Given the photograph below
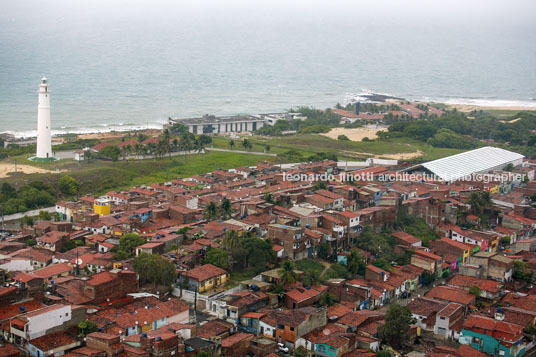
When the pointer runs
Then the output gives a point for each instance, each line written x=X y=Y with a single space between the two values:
x=466 y=108
x=5 y=168
x=356 y=134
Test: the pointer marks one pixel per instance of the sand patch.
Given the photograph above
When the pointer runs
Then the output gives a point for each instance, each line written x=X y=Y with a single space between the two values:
x=466 y=108
x=117 y=135
x=355 y=134
x=398 y=156
x=6 y=168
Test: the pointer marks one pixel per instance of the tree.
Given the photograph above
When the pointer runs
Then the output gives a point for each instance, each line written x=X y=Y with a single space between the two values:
x=226 y=208
x=165 y=139
x=86 y=327
x=204 y=139
x=245 y=143
x=428 y=278
x=128 y=244
x=356 y=263
x=267 y=148
x=31 y=242
x=395 y=331
x=231 y=143
x=327 y=299
x=319 y=186
x=323 y=251
x=68 y=185
x=178 y=128
x=509 y=167
x=211 y=211
x=111 y=152
x=186 y=143
x=26 y=221
x=522 y=271
x=217 y=257
x=474 y=290
x=310 y=278
x=505 y=241
x=44 y=216
x=155 y=269
x=89 y=155
x=287 y=274
x=268 y=197
x=8 y=191
x=343 y=138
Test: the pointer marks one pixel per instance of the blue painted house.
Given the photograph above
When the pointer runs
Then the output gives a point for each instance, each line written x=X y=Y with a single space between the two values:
x=493 y=337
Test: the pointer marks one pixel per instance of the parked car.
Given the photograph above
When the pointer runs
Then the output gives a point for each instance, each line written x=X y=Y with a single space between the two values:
x=282 y=347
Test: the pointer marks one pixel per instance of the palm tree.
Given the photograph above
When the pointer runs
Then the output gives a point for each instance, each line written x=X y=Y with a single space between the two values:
x=231 y=143
x=476 y=202
x=226 y=208
x=211 y=211
x=327 y=299
x=166 y=138
x=138 y=150
x=287 y=274
x=245 y=143
x=186 y=143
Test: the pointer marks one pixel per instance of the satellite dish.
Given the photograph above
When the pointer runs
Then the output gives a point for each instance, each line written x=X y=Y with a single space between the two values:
x=326 y=332
x=79 y=261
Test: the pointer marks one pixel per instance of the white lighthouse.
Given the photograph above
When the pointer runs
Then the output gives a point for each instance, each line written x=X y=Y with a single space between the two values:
x=44 y=136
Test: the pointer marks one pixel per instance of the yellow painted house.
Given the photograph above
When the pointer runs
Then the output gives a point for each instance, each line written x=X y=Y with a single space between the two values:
x=205 y=277
x=101 y=207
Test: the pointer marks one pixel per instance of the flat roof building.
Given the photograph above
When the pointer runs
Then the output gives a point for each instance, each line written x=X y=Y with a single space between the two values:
x=211 y=124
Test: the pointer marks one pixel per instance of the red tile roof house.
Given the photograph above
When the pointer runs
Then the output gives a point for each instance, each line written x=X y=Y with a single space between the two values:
x=428 y=261
x=435 y=315
x=141 y=315
x=236 y=345
x=451 y=294
x=52 y=344
x=52 y=272
x=53 y=241
x=205 y=277
x=240 y=302
x=493 y=337
x=489 y=289
x=406 y=240
x=303 y=296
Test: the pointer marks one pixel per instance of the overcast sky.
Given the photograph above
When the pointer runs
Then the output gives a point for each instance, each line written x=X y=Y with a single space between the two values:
x=61 y=13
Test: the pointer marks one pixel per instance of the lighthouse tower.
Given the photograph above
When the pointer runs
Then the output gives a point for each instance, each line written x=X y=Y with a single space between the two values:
x=44 y=137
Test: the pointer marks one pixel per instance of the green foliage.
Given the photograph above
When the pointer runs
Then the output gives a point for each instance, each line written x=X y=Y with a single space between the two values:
x=30 y=196
x=395 y=331
x=446 y=138
x=320 y=185
x=312 y=269
x=427 y=278
x=505 y=241
x=382 y=264
x=327 y=299
x=315 y=129
x=178 y=128
x=480 y=202
x=379 y=244
x=323 y=251
x=127 y=245
x=44 y=216
x=300 y=352
x=217 y=257
x=415 y=226
x=474 y=290
x=154 y=269
x=86 y=327
x=522 y=271
x=382 y=353
x=111 y=152
x=204 y=139
x=31 y=242
x=70 y=244
x=336 y=271
x=26 y=221
x=287 y=275
x=343 y=138
x=68 y=185
x=356 y=263
x=247 y=251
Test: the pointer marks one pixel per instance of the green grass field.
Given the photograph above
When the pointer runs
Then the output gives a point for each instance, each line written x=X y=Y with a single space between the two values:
x=98 y=176
x=309 y=144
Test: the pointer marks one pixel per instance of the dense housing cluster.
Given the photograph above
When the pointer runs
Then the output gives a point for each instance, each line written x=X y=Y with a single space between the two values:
x=244 y=262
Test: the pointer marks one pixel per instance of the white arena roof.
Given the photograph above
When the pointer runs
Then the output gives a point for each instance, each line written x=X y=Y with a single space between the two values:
x=466 y=163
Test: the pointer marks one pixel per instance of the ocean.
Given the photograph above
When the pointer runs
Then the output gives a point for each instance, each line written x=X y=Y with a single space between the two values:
x=134 y=64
